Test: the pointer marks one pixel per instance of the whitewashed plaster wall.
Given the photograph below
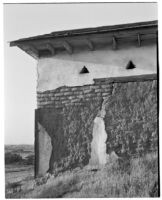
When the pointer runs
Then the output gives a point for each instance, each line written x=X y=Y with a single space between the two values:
x=45 y=150
x=63 y=69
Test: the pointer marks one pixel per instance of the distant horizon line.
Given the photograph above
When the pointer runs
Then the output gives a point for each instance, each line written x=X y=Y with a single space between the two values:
x=19 y=144
x=88 y=2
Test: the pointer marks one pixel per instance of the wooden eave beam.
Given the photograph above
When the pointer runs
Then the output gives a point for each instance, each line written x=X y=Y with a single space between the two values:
x=68 y=47
x=114 y=43
x=34 y=50
x=50 y=47
x=139 y=39
x=29 y=51
x=90 y=44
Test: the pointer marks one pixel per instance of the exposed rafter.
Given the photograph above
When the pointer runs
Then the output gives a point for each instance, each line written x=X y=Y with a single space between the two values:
x=139 y=40
x=140 y=32
x=114 y=43
x=68 y=47
x=31 y=50
x=34 y=49
x=90 y=44
x=50 y=47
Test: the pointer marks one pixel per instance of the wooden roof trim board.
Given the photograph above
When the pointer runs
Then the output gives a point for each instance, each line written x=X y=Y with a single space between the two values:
x=67 y=40
x=90 y=31
x=137 y=78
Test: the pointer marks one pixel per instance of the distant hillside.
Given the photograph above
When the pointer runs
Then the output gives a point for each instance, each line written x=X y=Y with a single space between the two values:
x=22 y=149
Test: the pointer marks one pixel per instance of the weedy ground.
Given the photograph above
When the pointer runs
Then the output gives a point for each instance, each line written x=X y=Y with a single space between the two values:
x=136 y=177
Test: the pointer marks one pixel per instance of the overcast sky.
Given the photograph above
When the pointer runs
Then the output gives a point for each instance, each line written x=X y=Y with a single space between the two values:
x=24 y=20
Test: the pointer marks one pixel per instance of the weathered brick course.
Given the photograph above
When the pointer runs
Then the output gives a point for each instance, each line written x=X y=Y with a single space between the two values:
x=101 y=88
x=58 y=94
x=130 y=120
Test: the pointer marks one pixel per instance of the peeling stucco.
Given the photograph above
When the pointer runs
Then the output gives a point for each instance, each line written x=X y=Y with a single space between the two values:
x=129 y=113
x=45 y=149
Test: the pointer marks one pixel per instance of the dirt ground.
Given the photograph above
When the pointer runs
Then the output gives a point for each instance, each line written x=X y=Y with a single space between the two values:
x=15 y=173
x=137 y=177
x=19 y=173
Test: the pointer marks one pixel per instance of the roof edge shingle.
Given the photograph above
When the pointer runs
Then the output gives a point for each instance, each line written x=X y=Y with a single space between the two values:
x=87 y=31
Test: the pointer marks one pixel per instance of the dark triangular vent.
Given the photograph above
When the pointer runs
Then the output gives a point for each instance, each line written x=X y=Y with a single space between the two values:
x=130 y=65
x=84 y=70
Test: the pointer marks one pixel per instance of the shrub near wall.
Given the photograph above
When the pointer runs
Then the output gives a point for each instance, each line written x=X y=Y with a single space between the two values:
x=12 y=158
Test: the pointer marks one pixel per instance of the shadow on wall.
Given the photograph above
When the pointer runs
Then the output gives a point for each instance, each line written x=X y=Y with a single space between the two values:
x=130 y=123
x=70 y=132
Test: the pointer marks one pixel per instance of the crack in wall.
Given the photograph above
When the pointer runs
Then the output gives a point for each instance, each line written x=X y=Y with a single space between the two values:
x=99 y=156
x=115 y=106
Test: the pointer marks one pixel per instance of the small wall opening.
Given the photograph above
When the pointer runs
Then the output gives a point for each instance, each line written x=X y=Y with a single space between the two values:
x=130 y=65
x=84 y=70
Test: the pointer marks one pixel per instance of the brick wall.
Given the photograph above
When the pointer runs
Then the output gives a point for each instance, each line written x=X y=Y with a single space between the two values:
x=67 y=114
x=69 y=96
x=77 y=95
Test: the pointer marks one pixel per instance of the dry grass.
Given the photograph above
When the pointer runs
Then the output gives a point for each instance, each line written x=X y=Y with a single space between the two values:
x=134 y=178
x=137 y=177
x=62 y=187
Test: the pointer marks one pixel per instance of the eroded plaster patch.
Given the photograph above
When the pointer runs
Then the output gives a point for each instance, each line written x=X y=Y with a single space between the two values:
x=99 y=156
x=45 y=149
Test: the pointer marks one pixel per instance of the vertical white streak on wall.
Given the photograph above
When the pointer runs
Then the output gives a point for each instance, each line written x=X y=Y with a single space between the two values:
x=45 y=149
x=98 y=145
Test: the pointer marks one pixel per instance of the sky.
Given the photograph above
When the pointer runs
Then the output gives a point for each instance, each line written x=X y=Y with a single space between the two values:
x=25 y=20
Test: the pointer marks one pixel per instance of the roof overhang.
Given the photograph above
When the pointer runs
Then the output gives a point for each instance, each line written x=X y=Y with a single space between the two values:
x=88 y=38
